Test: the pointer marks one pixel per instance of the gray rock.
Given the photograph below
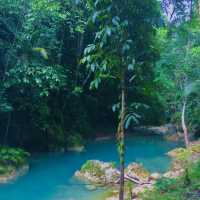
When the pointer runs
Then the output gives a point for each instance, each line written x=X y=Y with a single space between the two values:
x=168 y=129
x=98 y=172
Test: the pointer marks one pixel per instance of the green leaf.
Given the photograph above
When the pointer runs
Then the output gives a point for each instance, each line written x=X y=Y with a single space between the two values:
x=131 y=67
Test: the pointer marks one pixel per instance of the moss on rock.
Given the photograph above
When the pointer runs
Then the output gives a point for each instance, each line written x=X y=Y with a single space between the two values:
x=138 y=171
x=13 y=163
x=98 y=172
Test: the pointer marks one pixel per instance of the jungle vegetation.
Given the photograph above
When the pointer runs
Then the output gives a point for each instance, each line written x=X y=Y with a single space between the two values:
x=70 y=67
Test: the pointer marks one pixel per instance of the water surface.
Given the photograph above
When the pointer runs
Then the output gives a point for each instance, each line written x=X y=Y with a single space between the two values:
x=50 y=175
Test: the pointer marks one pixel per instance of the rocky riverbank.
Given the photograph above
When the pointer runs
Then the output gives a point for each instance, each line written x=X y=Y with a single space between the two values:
x=97 y=172
x=168 y=131
x=13 y=163
x=14 y=174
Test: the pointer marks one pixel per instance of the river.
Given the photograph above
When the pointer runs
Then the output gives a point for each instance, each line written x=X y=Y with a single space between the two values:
x=51 y=174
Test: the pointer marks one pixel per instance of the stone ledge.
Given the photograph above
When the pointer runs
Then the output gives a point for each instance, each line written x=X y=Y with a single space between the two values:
x=14 y=174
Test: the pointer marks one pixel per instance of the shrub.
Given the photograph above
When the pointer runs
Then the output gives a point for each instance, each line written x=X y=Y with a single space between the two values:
x=75 y=140
x=175 y=189
x=92 y=168
x=12 y=156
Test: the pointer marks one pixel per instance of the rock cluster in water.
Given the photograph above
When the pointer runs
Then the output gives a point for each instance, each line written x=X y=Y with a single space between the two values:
x=103 y=173
x=98 y=172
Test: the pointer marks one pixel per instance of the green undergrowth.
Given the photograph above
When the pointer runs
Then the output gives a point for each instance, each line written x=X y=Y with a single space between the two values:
x=94 y=168
x=186 y=187
x=75 y=140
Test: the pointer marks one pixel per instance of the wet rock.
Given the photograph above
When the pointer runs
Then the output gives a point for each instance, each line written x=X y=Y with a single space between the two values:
x=103 y=138
x=91 y=187
x=155 y=176
x=174 y=137
x=140 y=189
x=76 y=148
x=168 y=129
x=113 y=198
x=16 y=173
x=98 y=172
x=137 y=171
x=174 y=174
x=176 y=153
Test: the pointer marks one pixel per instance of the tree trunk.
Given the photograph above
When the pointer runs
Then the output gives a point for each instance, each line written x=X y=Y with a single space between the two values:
x=79 y=52
x=7 y=129
x=121 y=144
x=185 y=131
x=199 y=8
x=191 y=9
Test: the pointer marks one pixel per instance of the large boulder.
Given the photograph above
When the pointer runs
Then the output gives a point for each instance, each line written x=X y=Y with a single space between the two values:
x=137 y=171
x=98 y=172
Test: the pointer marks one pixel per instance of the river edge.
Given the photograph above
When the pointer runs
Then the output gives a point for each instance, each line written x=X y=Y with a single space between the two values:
x=176 y=170
x=16 y=173
x=180 y=157
x=89 y=148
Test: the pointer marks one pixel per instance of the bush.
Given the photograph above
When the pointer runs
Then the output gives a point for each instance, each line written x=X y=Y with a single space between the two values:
x=93 y=168
x=176 y=189
x=12 y=157
x=75 y=140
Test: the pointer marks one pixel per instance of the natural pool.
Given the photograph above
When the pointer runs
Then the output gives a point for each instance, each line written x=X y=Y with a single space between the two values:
x=50 y=176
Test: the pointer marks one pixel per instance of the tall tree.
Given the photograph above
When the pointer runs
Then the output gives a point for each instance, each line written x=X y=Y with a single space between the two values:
x=122 y=42
x=177 y=73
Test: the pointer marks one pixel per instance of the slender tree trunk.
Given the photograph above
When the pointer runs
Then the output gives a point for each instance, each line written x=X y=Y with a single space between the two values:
x=191 y=9
x=79 y=52
x=7 y=129
x=199 y=8
x=121 y=134
x=185 y=131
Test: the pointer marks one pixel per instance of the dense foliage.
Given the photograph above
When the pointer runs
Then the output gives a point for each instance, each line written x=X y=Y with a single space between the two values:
x=177 y=72
x=45 y=70
x=71 y=70
x=45 y=96
x=11 y=159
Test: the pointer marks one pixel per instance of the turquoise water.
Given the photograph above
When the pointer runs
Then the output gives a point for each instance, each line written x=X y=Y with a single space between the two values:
x=50 y=175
